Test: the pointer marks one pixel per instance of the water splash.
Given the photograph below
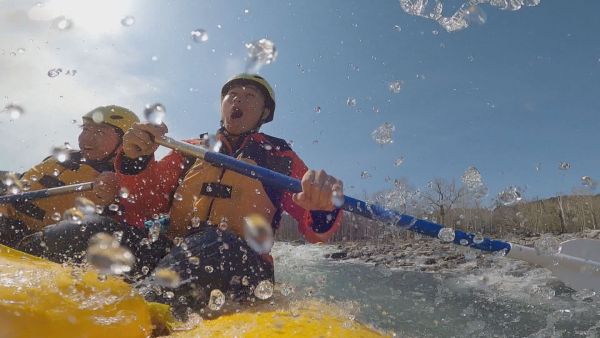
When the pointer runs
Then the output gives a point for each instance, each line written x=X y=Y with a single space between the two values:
x=395 y=86
x=473 y=180
x=108 y=256
x=199 y=35
x=468 y=13
x=216 y=300
x=383 y=134
x=61 y=154
x=62 y=23
x=54 y=72
x=509 y=196
x=212 y=142
x=166 y=277
x=155 y=113
x=564 y=166
x=128 y=21
x=446 y=235
x=547 y=246
x=264 y=290
x=261 y=52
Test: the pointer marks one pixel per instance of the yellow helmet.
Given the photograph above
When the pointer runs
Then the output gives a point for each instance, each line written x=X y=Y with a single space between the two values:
x=116 y=116
x=259 y=82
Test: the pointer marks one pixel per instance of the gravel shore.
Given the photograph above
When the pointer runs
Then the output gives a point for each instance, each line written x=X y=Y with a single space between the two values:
x=431 y=255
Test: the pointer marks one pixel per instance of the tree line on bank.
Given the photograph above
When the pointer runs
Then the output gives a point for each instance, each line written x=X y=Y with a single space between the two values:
x=459 y=207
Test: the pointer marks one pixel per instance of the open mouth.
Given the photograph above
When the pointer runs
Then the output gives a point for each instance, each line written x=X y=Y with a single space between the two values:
x=236 y=113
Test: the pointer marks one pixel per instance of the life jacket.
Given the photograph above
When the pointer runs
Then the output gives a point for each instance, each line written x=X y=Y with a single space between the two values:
x=49 y=174
x=212 y=195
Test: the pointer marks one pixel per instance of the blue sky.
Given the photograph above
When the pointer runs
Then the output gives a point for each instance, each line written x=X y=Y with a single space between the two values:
x=519 y=90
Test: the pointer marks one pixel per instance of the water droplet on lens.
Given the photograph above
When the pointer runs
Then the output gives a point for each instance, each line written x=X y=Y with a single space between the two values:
x=337 y=199
x=264 y=290
x=478 y=239
x=84 y=205
x=98 y=116
x=398 y=162
x=212 y=142
x=108 y=256
x=124 y=193
x=128 y=21
x=113 y=207
x=166 y=277
x=588 y=182
x=395 y=86
x=564 y=166
x=547 y=246
x=216 y=300
x=154 y=231
x=199 y=35
x=209 y=269
x=196 y=222
x=446 y=234
x=474 y=182
x=583 y=294
x=14 y=111
x=73 y=215
x=261 y=52
x=178 y=197
x=61 y=154
x=194 y=260
x=383 y=134
x=317 y=109
x=351 y=102
x=365 y=174
x=464 y=242
x=56 y=217
x=54 y=72
x=509 y=196
x=62 y=23
x=155 y=113
x=286 y=289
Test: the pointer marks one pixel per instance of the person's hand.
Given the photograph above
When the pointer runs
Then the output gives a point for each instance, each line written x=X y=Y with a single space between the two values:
x=106 y=187
x=139 y=140
x=318 y=188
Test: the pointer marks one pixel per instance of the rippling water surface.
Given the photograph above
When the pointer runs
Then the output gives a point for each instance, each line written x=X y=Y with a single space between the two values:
x=508 y=300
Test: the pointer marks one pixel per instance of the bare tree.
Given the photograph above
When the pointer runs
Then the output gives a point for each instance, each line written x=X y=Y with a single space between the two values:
x=443 y=196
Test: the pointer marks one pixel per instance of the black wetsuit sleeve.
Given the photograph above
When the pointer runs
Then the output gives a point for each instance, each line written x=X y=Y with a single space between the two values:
x=133 y=166
x=323 y=220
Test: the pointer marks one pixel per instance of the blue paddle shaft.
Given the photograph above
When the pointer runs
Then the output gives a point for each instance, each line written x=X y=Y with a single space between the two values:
x=371 y=211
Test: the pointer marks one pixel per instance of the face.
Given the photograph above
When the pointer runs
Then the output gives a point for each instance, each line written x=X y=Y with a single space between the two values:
x=242 y=108
x=98 y=140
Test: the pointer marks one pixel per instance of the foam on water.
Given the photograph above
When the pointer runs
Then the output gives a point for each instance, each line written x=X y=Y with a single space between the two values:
x=502 y=297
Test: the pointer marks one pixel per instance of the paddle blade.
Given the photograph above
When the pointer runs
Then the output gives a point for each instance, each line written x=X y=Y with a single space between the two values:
x=583 y=248
x=577 y=265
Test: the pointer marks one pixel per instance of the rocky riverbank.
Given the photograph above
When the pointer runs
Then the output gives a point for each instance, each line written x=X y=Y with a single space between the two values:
x=431 y=255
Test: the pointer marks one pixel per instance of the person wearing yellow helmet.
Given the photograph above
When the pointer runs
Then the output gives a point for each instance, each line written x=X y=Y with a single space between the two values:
x=223 y=219
x=99 y=140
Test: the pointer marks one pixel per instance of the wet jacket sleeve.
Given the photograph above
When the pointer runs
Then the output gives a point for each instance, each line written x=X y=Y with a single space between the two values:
x=315 y=225
x=149 y=184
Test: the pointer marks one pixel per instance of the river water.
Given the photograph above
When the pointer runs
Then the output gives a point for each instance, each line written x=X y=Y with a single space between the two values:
x=503 y=299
